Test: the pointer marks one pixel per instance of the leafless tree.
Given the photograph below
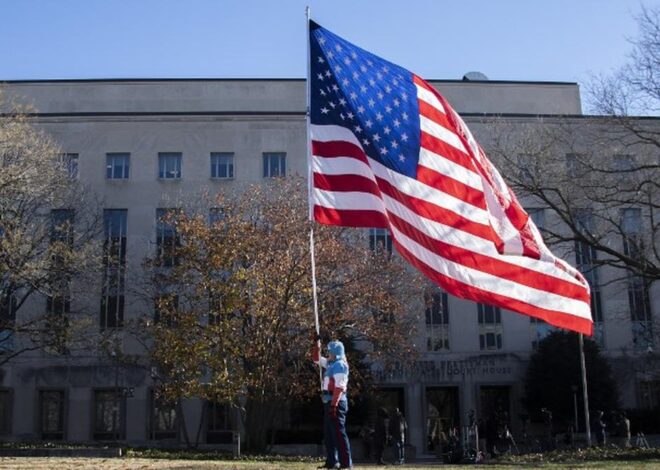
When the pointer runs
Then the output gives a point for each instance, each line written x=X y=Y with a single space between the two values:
x=48 y=228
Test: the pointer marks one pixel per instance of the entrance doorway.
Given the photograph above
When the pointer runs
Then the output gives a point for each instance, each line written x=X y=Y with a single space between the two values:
x=442 y=416
x=495 y=413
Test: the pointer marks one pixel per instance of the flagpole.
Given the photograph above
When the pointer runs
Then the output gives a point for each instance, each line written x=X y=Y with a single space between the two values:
x=310 y=176
x=585 y=394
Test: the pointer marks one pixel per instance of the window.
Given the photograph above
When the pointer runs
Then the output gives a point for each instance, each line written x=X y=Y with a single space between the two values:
x=222 y=165
x=163 y=419
x=6 y=400
x=61 y=233
x=61 y=226
x=586 y=263
x=216 y=214
x=638 y=289
x=490 y=327
x=218 y=429
x=649 y=394
x=274 y=164
x=114 y=273
x=576 y=165
x=8 y=308
x=437 y=321
x=169 y=165
x=538 y=216
x=380 y=240
x=69 y=162
x=623 y=163
x=59 y=304
x=109 y=406
x=117 y=166
x=167 y=239
x=538 y=331
x=51 y=414
x=526 y=168
x=165 y=307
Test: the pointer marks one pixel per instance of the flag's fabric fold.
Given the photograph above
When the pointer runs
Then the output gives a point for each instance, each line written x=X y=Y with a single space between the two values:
x=388 y=151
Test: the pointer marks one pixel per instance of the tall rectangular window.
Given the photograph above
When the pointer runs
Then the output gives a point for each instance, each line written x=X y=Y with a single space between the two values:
x=437 y=321
x=163 y=419
x=114 y=264
x=109 y=409
x=69 y=162
x=218 y=429
x=649 y=391
x=380 y=240
x=6 y=402
x=586 y=262
x=274 y=164
x=169 y=165
x=638 y=290
x=165 y=307
x=61 y=226
x=222 y=165
x=58 y=302
x=490 y=327
x=117 y=165
x=167 y=239
x=51 y=414
x=526 y=168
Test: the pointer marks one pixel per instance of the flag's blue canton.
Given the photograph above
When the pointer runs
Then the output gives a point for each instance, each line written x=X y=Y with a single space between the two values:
x=375 y=99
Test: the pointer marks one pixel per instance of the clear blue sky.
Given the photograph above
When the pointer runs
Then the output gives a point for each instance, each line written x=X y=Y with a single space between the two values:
x=554 y=40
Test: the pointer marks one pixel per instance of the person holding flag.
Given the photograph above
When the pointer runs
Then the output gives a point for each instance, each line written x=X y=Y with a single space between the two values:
x=335 y=403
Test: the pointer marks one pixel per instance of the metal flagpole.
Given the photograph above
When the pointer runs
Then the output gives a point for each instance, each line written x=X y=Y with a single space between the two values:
x=585 y=394
x=310 y=176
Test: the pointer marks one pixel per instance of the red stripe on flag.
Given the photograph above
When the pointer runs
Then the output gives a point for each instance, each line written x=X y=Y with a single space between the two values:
x=445 y=150
x=490 y=265
x=338 y=148
x=466 y=291
x=350 y=218
x=434 y=114
x=346 y=183
x=434 y=212
x=449 y=185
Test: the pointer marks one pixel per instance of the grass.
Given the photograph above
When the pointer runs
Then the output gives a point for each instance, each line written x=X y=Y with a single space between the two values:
x=160 y=464
x=155 y=459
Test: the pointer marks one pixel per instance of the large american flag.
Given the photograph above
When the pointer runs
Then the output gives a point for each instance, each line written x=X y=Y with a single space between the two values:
x=388 y=151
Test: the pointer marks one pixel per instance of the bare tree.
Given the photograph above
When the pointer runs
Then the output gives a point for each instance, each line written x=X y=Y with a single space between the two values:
x=601 y=189
x=635 y=88
x=48 y=226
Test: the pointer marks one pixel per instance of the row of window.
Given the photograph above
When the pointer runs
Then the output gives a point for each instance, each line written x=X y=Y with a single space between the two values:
x=170 y=167
x=109 y=416
x=490 y=335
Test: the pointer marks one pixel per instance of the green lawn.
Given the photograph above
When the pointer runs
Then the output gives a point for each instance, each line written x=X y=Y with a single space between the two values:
x=48 y=463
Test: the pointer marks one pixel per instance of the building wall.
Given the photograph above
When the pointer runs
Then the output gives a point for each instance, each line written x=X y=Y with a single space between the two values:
x=249 y=117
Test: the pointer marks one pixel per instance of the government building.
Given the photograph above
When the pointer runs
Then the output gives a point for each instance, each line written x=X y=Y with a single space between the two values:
x=141 y=144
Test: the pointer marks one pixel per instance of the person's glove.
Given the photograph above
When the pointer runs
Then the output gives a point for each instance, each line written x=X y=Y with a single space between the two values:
x=333 y=411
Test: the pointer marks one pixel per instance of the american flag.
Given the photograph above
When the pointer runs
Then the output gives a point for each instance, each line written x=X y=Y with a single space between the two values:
x=388 y=151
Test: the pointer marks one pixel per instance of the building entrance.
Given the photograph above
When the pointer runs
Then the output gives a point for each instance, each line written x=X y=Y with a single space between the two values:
x=442 y=416
x=495 y=413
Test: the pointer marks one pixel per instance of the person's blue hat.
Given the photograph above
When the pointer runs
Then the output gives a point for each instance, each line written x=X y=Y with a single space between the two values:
x=337 y=348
